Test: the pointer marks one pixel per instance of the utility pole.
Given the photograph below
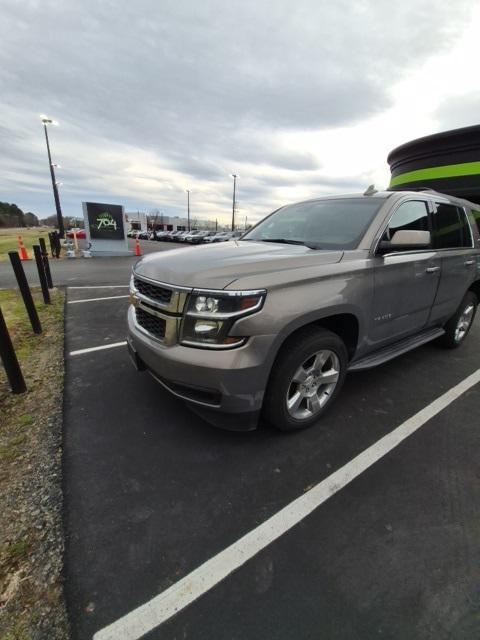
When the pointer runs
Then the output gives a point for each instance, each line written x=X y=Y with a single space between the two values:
x=234 y=176
x=188 y=209
x=61 y=228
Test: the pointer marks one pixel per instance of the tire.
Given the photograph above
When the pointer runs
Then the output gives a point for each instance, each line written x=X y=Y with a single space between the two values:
x=457 y=328
x=302 y=363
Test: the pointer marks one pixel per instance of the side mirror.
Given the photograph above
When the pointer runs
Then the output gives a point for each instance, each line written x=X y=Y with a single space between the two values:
x=406 y=239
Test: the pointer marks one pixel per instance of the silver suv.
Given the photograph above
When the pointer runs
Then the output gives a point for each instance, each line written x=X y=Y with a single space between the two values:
x=271 y=323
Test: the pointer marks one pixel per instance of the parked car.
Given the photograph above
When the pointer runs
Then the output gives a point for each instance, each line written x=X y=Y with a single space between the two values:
x=210 y=239
x=272 y=323
x=221 y=236
x=179 y=236
x=208 y=235
x=160 y=235
x=200 y=237
x=189 y=235
x=235 y=235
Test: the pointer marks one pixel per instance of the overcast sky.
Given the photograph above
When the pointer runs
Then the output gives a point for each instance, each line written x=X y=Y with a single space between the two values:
x=299 y=97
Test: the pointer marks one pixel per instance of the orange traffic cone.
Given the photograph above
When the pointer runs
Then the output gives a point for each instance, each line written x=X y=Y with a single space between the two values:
x=137 y=248
x=22 y=250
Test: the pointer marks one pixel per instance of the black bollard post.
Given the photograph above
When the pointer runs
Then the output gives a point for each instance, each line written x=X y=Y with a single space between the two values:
x=25 y=291
x=46 y=264
x=52 y=243
x=41 y=274
x=58 y=246
x=9 y=359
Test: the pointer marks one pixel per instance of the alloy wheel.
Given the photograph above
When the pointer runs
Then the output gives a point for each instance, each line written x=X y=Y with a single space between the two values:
x=313 y=384
x=464 y=323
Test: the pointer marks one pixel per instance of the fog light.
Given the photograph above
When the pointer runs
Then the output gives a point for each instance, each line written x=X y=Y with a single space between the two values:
x=207 y=327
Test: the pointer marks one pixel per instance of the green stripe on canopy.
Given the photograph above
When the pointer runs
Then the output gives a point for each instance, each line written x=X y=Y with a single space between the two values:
x=434 y=173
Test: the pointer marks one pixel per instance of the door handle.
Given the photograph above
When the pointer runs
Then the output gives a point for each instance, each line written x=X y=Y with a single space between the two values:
x=469 y=262
x=432 y=269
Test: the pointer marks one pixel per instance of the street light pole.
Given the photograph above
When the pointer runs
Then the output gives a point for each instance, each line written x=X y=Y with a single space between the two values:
x=188 y=209
x=61 y=229
x=234 y=176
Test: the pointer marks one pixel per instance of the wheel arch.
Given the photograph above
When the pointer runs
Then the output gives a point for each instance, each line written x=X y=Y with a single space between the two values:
x=344 y=322
x=475 y=287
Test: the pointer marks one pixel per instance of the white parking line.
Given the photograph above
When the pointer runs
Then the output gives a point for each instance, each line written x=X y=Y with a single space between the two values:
x=95 y=299
x=150 y=615
x=99 y=286
x=79 y=352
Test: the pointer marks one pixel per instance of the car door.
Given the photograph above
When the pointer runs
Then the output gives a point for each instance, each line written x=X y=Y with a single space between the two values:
x=453 y=240
x=405 y=281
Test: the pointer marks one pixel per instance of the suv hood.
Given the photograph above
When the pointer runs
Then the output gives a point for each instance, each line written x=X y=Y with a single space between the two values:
x=219 y=265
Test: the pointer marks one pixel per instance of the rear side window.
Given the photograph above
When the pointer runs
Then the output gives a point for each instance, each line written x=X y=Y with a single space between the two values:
x=411 y=216
x=476 y=215
x=450 y=227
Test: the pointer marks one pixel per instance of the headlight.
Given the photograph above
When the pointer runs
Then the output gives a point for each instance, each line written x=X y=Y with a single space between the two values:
x=211 y=314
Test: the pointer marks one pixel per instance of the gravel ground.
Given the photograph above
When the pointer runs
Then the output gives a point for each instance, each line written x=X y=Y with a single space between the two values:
x=31 y=533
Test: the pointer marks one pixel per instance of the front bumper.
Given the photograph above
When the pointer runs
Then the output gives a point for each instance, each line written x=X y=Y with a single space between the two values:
x=226 y=387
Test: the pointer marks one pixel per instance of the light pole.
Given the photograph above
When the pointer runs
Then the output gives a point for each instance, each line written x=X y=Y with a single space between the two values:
x=61 y=230
x=234 y=176
x=188 y=209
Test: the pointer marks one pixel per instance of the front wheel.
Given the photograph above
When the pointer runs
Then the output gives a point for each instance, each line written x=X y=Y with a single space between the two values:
x=306 y=377
x=457 y=328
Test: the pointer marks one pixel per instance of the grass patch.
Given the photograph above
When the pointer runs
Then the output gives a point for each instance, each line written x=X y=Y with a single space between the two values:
x=16 y=550
x=18 y=631
x=9 y=240
x=29 y=456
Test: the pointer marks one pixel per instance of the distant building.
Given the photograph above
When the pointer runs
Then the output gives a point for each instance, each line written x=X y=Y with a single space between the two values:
x=136 y=220
x=176 y=223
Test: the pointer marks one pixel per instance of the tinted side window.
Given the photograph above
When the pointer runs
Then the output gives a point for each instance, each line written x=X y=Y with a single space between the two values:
x=476 y=215
x=450 y=227
x=412 y=215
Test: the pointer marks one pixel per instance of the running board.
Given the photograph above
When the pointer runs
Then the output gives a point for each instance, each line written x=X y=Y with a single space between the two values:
x=394 y=350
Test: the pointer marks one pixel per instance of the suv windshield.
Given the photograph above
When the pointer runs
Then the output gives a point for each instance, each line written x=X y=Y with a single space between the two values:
x=319 y=224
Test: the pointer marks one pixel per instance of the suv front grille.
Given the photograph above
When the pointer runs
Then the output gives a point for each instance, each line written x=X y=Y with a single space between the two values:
x=153 y=291
x=152 y=324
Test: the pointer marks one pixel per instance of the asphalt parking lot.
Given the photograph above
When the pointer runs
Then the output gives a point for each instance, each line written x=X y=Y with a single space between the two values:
x=84 y=271
x=152 y=492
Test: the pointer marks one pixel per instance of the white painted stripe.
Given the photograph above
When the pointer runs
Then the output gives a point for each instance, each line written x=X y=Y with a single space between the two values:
x=99 y=286
x=95 y=299
x=163 y=606
x=101 y=348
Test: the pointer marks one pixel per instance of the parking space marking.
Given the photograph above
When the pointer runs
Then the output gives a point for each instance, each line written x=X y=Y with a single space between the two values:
x=99 y=286
x=96 y=299
x=79 y=352
x=153 y=613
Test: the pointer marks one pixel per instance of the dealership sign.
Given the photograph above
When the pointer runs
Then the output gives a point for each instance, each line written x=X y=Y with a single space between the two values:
x=105 y=225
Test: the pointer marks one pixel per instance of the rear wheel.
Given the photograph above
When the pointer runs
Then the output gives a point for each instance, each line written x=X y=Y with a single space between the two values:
x=305 y=379
x=457 y=328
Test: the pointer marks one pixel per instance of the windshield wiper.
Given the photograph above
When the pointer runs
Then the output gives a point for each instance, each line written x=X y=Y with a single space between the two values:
x=282 y=240
x=310 y=245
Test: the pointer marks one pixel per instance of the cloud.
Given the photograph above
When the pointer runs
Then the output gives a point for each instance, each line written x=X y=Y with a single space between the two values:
x=459 y=111
x=154 y=98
